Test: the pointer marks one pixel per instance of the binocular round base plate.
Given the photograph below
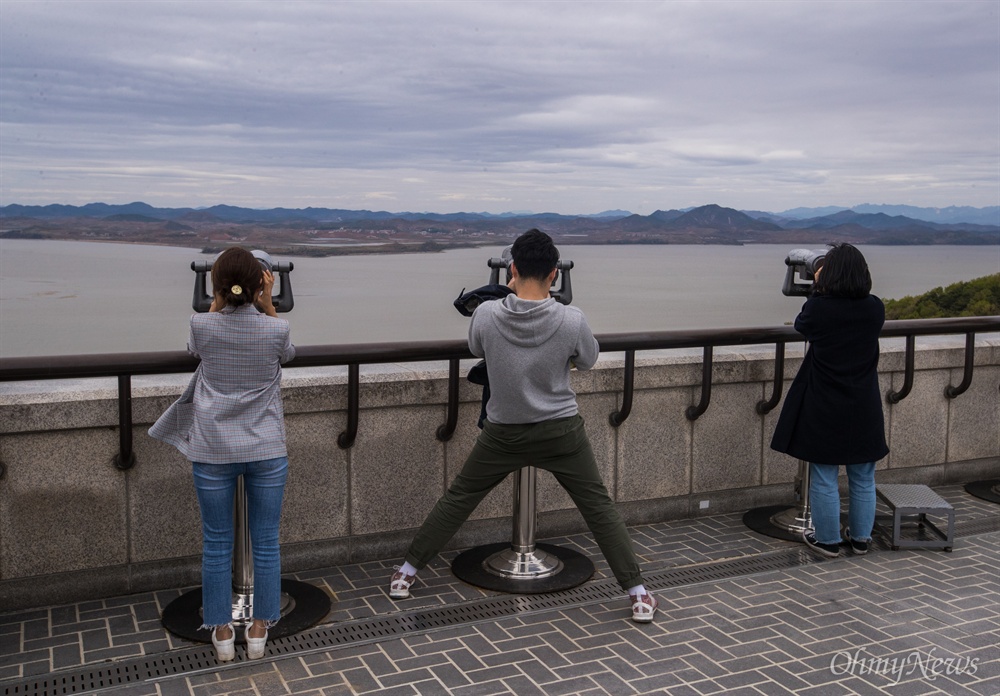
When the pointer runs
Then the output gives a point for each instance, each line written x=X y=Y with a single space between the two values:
x=306 y=606
x=986 y=490
x=773 y=521
x=761 y=521
x=523 y=566
x=469 y=567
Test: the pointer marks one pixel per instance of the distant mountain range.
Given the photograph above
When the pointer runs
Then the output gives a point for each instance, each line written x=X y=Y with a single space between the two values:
x=708 y=224
x=952 y=214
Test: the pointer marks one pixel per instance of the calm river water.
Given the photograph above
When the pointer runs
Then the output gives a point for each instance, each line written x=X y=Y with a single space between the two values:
x=85 y=297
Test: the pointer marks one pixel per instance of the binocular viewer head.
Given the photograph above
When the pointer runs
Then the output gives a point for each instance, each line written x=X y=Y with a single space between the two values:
x=802 y=264
x=564 y=295
x=266 y=262
x=283 y=301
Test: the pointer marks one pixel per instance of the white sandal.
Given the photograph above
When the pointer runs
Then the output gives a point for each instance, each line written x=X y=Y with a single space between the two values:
x=399 y=586
x=643 y=607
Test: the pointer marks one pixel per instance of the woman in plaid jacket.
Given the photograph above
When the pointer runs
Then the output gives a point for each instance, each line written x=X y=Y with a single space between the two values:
x=230 y=422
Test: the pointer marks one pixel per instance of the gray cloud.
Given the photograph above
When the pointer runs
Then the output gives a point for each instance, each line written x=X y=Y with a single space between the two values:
x=569 y=107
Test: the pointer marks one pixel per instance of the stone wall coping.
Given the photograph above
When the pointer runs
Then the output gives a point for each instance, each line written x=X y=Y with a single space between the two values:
x=104 y=388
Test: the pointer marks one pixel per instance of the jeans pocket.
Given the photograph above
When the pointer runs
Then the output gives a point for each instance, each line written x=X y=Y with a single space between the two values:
x=271 y=472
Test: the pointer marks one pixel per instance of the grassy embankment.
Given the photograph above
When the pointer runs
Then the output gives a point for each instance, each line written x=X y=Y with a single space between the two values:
x=973 y=298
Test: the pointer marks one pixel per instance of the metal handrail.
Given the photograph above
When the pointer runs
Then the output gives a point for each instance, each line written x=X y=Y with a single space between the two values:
x=125 y=365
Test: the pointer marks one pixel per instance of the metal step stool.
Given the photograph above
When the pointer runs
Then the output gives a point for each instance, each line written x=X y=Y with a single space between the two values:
x=911 y=502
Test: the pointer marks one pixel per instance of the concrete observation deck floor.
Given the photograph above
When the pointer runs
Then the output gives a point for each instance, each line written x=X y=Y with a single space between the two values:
x=740 y=613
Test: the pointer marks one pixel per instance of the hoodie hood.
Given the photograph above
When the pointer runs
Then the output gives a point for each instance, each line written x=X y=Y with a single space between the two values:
x=528 y=323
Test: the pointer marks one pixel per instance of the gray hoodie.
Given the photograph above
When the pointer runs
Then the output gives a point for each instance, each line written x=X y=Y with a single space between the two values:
x=529 y=347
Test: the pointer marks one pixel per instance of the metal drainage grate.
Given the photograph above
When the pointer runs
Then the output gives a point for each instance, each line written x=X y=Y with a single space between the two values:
x=199 y=659
x=119 y=674
x=982 y=525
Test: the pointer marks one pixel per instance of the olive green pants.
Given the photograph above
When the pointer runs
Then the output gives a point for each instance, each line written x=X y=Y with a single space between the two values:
x=558 y=446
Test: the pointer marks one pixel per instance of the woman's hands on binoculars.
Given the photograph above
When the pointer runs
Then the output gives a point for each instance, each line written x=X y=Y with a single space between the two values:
x=263 y=301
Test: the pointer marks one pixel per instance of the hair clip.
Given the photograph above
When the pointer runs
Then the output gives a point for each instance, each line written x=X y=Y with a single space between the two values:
x=236 y=290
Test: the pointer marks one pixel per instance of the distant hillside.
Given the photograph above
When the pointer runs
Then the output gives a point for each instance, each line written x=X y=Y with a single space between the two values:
x=714 y=217
x=974 y=298
x=875 y=221
x=989 y=215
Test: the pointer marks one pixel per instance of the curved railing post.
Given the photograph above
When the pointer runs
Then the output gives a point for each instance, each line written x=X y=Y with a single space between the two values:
x=765 y=407
x=346 y=439
x=125 y=459
x=970 y=349
x=618 y=417
x=446 y=431
x=693 y=412
x=894 y=397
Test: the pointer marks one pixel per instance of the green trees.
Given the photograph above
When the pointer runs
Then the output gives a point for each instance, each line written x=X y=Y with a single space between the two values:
x=974 y=298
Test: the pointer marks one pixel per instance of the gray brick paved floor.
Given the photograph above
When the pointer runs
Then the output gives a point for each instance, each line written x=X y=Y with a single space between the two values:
x=891 y=622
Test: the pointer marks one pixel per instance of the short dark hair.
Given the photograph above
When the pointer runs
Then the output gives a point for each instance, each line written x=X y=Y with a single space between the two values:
x=534 y=254
x=237 y=268
x=845 y=273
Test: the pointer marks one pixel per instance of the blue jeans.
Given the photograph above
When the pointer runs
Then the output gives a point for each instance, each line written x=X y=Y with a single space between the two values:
x=264 y=482
x=824 y=499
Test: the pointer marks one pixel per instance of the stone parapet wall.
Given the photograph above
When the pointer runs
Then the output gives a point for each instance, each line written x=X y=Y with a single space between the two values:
x=74 y=526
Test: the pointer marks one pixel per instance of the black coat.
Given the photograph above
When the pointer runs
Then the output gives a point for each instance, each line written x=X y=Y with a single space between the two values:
x=833 y=411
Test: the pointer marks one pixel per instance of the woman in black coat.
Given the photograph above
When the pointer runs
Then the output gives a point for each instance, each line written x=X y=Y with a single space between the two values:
x=832 y=415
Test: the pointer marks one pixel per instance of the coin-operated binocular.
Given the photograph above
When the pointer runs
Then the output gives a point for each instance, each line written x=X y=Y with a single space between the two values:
x=283 y=301
x=467 y=302
x=563 y=295
x=802 y=266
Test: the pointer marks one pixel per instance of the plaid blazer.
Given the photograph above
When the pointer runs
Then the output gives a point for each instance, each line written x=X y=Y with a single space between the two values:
x=231 y=411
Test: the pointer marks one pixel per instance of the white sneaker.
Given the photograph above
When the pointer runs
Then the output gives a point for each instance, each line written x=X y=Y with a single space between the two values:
x=225 y=650
x=255 y=646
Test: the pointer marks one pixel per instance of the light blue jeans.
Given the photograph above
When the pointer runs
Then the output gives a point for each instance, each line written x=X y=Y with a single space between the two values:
x=264 y=482
x=824 y=500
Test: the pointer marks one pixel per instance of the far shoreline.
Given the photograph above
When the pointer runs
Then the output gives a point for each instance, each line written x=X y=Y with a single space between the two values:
x=397 y=248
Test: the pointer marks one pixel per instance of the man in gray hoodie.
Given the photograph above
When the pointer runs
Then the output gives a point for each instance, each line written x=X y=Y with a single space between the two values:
x=530 y=343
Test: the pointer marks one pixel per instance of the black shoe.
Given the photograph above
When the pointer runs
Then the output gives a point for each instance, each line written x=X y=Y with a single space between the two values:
x=825 y=550
x=860 y=548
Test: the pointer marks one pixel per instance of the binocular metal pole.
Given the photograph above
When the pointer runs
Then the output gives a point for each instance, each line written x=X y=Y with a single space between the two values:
x=242 y=559
x=523 y=561
x=522 y=565
x=799 y=518
x=781 y=521
x=302 y=605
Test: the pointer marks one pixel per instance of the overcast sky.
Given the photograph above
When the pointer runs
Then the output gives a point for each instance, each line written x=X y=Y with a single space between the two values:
x=568 y=107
